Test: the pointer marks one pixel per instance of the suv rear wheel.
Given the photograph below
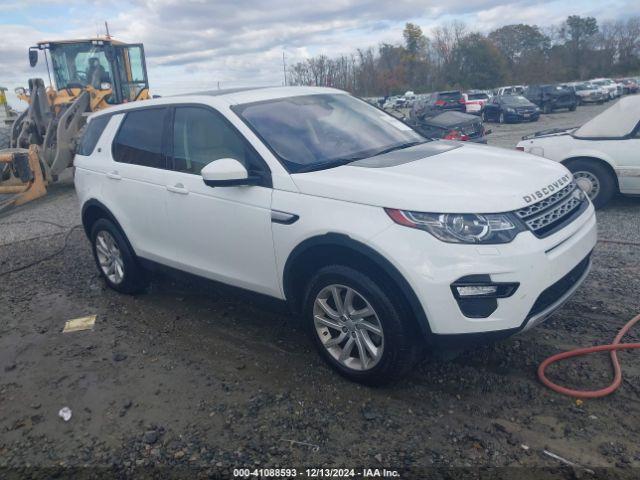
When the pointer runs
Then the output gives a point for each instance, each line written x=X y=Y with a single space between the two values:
x=359 y=327
x=596 y=181
x=115 y=259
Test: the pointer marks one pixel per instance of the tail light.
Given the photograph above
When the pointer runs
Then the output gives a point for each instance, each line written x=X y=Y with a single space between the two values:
x=461 y=100
x=440 y=102
x=456 y=135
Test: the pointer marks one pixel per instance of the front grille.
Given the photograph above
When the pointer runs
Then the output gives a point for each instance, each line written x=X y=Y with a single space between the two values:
x=549 y=215
x=556 y=291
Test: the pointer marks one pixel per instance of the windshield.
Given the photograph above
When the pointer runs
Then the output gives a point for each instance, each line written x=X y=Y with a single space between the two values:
x=76 y=65
x=313 y=132
x=515 y=100
x=450 y=96
x=477 y=96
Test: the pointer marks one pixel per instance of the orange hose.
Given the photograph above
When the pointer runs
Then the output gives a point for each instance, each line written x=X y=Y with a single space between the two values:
x=613 y=348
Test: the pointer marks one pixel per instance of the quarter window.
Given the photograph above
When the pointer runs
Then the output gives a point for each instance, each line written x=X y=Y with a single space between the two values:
x=201 y=136
x=92 y=135
x=139 y=140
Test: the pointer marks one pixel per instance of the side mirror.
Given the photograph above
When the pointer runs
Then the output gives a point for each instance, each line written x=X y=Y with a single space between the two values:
x=33 y=56
x=227 y=172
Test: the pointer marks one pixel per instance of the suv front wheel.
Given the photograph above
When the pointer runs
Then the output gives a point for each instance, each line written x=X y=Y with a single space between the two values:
x=115 y=259
x=359 y=327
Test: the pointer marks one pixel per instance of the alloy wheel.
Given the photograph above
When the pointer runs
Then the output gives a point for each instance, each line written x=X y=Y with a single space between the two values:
x=588 y=182
x=109 y=257
x=348 y=327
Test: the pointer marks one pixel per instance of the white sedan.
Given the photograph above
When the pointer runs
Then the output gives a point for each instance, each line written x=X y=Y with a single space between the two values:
x=603 y=154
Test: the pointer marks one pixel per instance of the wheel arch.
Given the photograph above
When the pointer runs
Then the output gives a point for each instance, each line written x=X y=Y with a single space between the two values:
x=332 y=248
x=601 y=161
x=92 y=211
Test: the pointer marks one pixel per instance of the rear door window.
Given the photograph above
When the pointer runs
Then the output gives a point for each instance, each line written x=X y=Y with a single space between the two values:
x=450 y=96
x=92 y=135
x=139 y=140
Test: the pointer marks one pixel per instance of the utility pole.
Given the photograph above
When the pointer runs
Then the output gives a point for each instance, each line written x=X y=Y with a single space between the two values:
x=284 y=70
x=106 y=26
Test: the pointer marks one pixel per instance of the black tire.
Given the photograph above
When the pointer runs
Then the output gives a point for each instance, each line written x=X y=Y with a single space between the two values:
x=5 y=142
x=402 y=348
x=5 y=137
x=134 y=278
x=573 y=107
x=546 y=108
x=607 y=184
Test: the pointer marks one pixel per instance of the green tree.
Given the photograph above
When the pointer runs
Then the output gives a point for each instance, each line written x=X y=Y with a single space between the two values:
x=578 y=33
x=518 y=41
x=415 y=58
x=478 y=63
x=414 y=41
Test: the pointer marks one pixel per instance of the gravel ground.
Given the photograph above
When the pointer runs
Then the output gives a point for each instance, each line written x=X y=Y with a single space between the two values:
x=202 y=378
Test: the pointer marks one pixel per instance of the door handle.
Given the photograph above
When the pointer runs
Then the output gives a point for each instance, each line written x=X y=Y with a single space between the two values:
x=114 y=175
x=177 y=188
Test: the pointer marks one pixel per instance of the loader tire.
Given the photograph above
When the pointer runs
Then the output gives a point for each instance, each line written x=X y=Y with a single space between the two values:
x=5 y=137
x=5 y=142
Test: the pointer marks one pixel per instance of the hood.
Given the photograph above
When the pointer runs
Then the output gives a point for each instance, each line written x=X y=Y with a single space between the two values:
x=617 y=121
x=552 y=132
x=467 y=179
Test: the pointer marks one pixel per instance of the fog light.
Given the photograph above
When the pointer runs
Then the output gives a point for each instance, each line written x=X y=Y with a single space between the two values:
x=477 y=290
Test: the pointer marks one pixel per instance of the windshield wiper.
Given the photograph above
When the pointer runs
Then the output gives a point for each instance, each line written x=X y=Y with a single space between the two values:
x=344 y=161
x=402 y=146
x=328 y=164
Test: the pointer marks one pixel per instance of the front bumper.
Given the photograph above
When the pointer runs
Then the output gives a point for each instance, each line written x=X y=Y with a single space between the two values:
x=521 y=117
x=593 y=98
x=562 y=104
x=536 y=264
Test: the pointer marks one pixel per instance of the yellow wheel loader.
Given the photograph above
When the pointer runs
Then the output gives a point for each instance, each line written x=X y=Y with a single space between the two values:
x=88 y=75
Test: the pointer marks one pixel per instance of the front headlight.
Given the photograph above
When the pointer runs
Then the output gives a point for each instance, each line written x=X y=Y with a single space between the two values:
x=511 y=110
x=461 y=227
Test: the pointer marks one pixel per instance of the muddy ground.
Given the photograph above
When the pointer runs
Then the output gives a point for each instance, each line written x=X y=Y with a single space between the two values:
x=203 y=378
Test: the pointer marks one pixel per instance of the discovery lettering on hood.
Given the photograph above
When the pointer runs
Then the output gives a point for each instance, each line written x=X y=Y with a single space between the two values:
x=548 y=190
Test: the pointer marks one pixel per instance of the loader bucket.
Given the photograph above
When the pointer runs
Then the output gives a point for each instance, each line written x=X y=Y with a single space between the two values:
x=22 y=178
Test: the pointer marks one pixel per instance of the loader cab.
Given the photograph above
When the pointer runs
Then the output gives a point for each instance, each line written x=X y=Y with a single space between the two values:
x=102 y=64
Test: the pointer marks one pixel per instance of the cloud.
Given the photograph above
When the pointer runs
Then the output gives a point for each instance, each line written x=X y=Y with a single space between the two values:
x=194 y=44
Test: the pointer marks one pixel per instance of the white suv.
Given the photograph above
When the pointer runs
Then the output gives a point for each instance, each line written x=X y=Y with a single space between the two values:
x=385 y=243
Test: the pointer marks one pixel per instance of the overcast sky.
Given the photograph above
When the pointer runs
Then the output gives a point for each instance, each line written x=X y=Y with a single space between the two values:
x=194 y=44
